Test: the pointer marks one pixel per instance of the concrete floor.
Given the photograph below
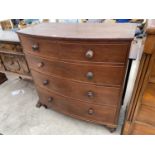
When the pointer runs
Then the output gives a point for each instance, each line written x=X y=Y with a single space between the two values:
x=19 y=116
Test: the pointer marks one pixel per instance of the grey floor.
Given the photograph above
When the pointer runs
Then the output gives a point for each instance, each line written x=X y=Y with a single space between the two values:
x=18 y=114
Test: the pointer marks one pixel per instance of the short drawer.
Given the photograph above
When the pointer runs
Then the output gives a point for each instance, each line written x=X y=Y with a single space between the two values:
x=77 y=109
x=10 y=47
x=10 y=62
x=85 y=92
x=15 y=63
x=85 y=72
x=116 y=52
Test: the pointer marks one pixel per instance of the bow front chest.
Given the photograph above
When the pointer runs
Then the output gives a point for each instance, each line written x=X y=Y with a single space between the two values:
x=79 y=69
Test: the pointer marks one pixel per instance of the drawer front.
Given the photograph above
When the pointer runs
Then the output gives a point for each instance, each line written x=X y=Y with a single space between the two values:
x=89 y=112
x=10 y=47
x=99 y=74
x=10 y=63
x=85 y=92
x=14 y=63
x=96 y=52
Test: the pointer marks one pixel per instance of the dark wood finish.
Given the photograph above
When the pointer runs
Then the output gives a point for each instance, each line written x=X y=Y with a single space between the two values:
x=12 y=58
x=114 y=52
x=3 y=78
x=82 y=110
x=82 y=31
x=126 y=79
x=102 y=74
x=77 y=90
x=79 y=69
x=140 y=117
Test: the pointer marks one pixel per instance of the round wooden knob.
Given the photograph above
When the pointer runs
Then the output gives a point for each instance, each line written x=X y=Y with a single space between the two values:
x=89 y=54
x=50 y=99
x=35 y=47
x=40 y=64
x=89 y=75
x=45 y=82
x=90 y=94
x=90 y=111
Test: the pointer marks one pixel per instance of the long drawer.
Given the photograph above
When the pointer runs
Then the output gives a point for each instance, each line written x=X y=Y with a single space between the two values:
x=86 y=72
x=77 y=109
x=116 y=52
x=76 y=90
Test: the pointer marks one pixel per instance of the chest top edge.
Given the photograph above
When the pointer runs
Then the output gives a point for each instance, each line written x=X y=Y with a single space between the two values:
x=82 y=31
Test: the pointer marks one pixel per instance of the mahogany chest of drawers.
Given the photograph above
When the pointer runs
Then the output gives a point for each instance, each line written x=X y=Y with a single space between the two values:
x=79 y=69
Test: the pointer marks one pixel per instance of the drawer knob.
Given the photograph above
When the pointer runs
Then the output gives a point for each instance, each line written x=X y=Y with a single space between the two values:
x=90 y=94
x=89 y=54
x=50 y=99
x=40 y=64
x=90 y=111
x=89 y=75
x=45 y=82
x=35 y=47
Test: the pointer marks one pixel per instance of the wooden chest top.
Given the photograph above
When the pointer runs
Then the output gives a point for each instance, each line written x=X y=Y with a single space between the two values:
x=82 y=31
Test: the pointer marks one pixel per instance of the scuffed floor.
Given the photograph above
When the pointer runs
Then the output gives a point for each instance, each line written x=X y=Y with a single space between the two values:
x=18 y=114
